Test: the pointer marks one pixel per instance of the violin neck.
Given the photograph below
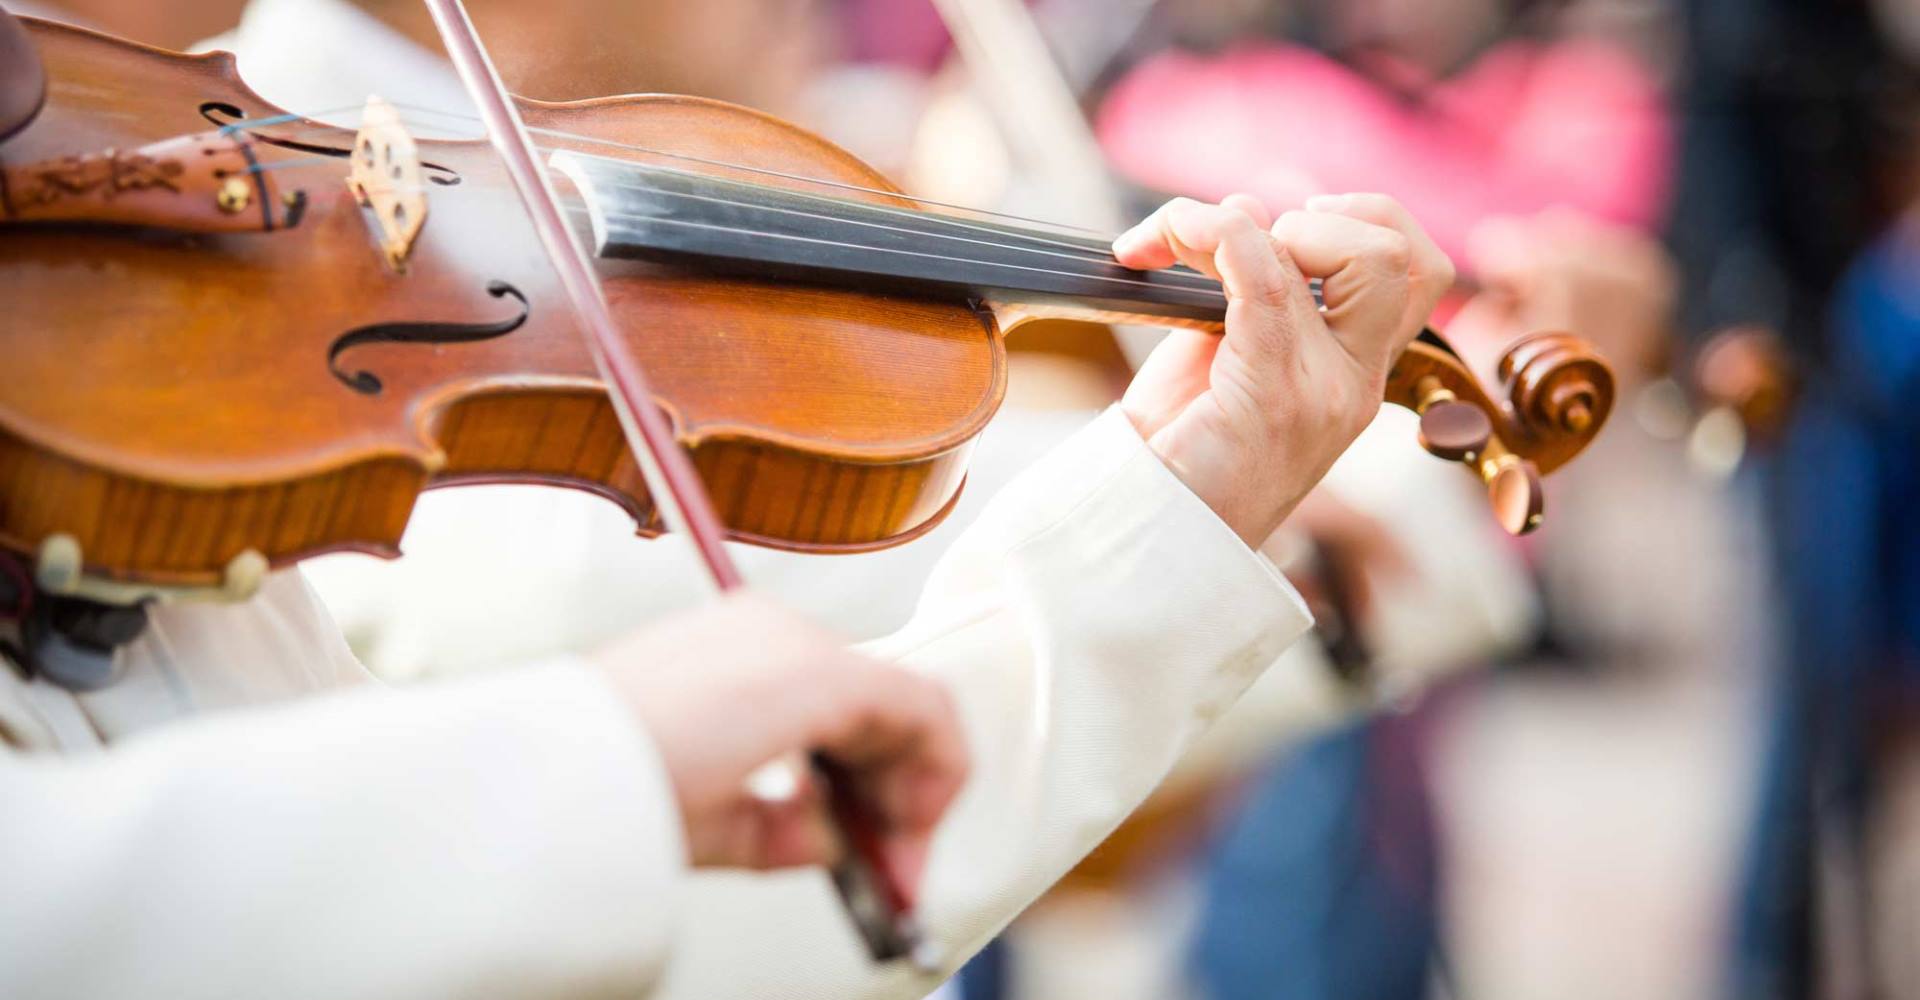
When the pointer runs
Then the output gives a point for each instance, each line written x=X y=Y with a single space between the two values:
x=653 y=213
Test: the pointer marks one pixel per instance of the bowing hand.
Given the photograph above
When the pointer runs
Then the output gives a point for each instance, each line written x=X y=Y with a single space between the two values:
x=1250 y=421
x=742 y=683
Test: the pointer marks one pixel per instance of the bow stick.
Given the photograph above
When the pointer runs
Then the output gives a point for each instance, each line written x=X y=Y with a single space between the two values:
x=875 y=895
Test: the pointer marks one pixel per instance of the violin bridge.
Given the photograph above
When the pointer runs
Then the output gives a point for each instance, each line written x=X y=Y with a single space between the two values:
x=387 y=179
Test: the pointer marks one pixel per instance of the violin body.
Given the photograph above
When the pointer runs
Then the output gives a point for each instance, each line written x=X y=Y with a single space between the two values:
x=226 y=342
x=171 y=401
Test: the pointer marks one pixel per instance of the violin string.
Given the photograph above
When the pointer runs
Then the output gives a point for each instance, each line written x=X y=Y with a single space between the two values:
x=1171 y=279
x=825 y=217
x=332 y=159
x=248 y=125
x=945 y=258
x=768 y=172
x=1201 y=282
x=1095 y=251
x=669 y=154
x=298 y=163
x=1076 y=252
x=1092 y=236
x=315 y=126
x=1088 y=256
x=587 y=215
x=1198 y=281
x=1092 y=252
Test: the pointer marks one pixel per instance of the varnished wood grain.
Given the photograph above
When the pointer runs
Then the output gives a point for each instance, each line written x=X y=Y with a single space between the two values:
x=204 y=419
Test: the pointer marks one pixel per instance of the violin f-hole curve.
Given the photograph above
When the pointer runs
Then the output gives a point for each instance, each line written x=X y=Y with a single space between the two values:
x=367 y=383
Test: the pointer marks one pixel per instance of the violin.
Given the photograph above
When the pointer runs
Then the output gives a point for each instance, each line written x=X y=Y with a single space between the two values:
x=237 y=336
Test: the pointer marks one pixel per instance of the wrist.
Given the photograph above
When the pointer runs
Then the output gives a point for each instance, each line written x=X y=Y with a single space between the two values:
x=1247 y=496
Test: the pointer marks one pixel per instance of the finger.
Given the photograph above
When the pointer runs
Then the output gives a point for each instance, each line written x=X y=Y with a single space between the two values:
x=1224 y=243
x=908 y=856
x=1147 y=246
x=1251 y=207
x=1216 y=240
x=1182 y=231
x=791 y=834
x=901 y=741
x=1430 y=271
x=1363 y=270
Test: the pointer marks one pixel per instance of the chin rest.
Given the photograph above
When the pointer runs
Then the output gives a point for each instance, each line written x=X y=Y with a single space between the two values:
x=23 y=81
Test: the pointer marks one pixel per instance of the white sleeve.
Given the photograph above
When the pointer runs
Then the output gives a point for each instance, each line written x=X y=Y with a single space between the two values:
x=509 y=836
x=1094 y=621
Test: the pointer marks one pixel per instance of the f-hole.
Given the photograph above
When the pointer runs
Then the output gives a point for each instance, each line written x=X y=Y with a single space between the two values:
x=367 y=383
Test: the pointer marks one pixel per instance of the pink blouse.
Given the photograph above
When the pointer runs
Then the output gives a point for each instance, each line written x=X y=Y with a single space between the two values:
x=1527 y=127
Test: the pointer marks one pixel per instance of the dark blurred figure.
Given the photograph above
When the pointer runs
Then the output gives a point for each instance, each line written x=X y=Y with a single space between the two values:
x=1325 y=884
x=1797 y=157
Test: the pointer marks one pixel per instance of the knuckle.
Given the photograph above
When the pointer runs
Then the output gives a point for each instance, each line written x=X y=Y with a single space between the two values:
x=1393 y=251
x=1246 y=204
x=1234 y=222
x=1209 y=209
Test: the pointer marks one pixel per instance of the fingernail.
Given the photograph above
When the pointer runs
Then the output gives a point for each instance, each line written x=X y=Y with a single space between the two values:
x=1326 y=203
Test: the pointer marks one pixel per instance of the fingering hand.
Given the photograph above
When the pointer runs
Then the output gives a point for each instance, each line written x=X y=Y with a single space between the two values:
x=1250 y=421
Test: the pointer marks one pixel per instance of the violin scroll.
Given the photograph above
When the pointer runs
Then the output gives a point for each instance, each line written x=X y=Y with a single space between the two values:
x=1558 y=394
x=1561 y=392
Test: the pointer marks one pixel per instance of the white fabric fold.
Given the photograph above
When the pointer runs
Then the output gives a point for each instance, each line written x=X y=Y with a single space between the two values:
x=510 y=836
x=1094 y=621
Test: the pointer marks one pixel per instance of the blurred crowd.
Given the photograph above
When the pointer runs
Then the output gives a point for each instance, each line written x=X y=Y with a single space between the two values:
x=1664 y=747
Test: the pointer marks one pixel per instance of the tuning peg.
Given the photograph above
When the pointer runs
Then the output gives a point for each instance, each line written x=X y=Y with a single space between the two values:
x=1513 y=484
x=1454 y=430
x=1450 y=429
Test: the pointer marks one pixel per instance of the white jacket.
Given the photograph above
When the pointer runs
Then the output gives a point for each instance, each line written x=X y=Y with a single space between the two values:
x=513 y=835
